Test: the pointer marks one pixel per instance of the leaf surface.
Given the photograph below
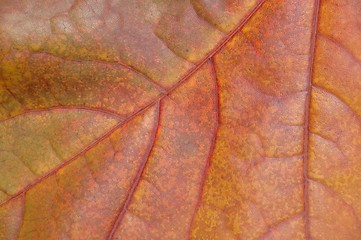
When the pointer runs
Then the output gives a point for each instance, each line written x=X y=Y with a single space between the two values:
x=224 y=119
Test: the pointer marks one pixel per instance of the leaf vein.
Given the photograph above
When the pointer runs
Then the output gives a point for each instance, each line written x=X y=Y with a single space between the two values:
x=136 y=180
x=141 y=110
x=307 y=120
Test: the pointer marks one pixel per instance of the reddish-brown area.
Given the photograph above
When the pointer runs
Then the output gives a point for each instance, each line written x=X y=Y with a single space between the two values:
x=224 y=119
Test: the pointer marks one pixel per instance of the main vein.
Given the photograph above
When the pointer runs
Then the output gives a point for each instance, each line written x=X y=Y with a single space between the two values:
x=143 y=109
x=307 y=120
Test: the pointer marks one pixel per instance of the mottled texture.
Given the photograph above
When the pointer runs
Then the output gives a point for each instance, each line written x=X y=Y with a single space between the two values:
x=256 y=180
x=195 y=119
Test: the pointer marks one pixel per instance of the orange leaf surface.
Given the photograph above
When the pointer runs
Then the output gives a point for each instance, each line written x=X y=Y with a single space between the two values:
x=222 y=119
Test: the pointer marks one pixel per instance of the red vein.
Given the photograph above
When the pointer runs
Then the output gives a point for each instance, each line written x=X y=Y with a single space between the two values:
x=136 y=180
x=213 y=143
x=278 y=225
x=9 y=91
x=66 y=107
x=141 y=110
x=221 y=44
x=307 y=121
x=83 y=151
x=340 y=46
x=339 y=197
x=187 y=75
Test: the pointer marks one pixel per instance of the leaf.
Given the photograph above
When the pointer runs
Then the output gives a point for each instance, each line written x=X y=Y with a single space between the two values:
x=180 y=119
